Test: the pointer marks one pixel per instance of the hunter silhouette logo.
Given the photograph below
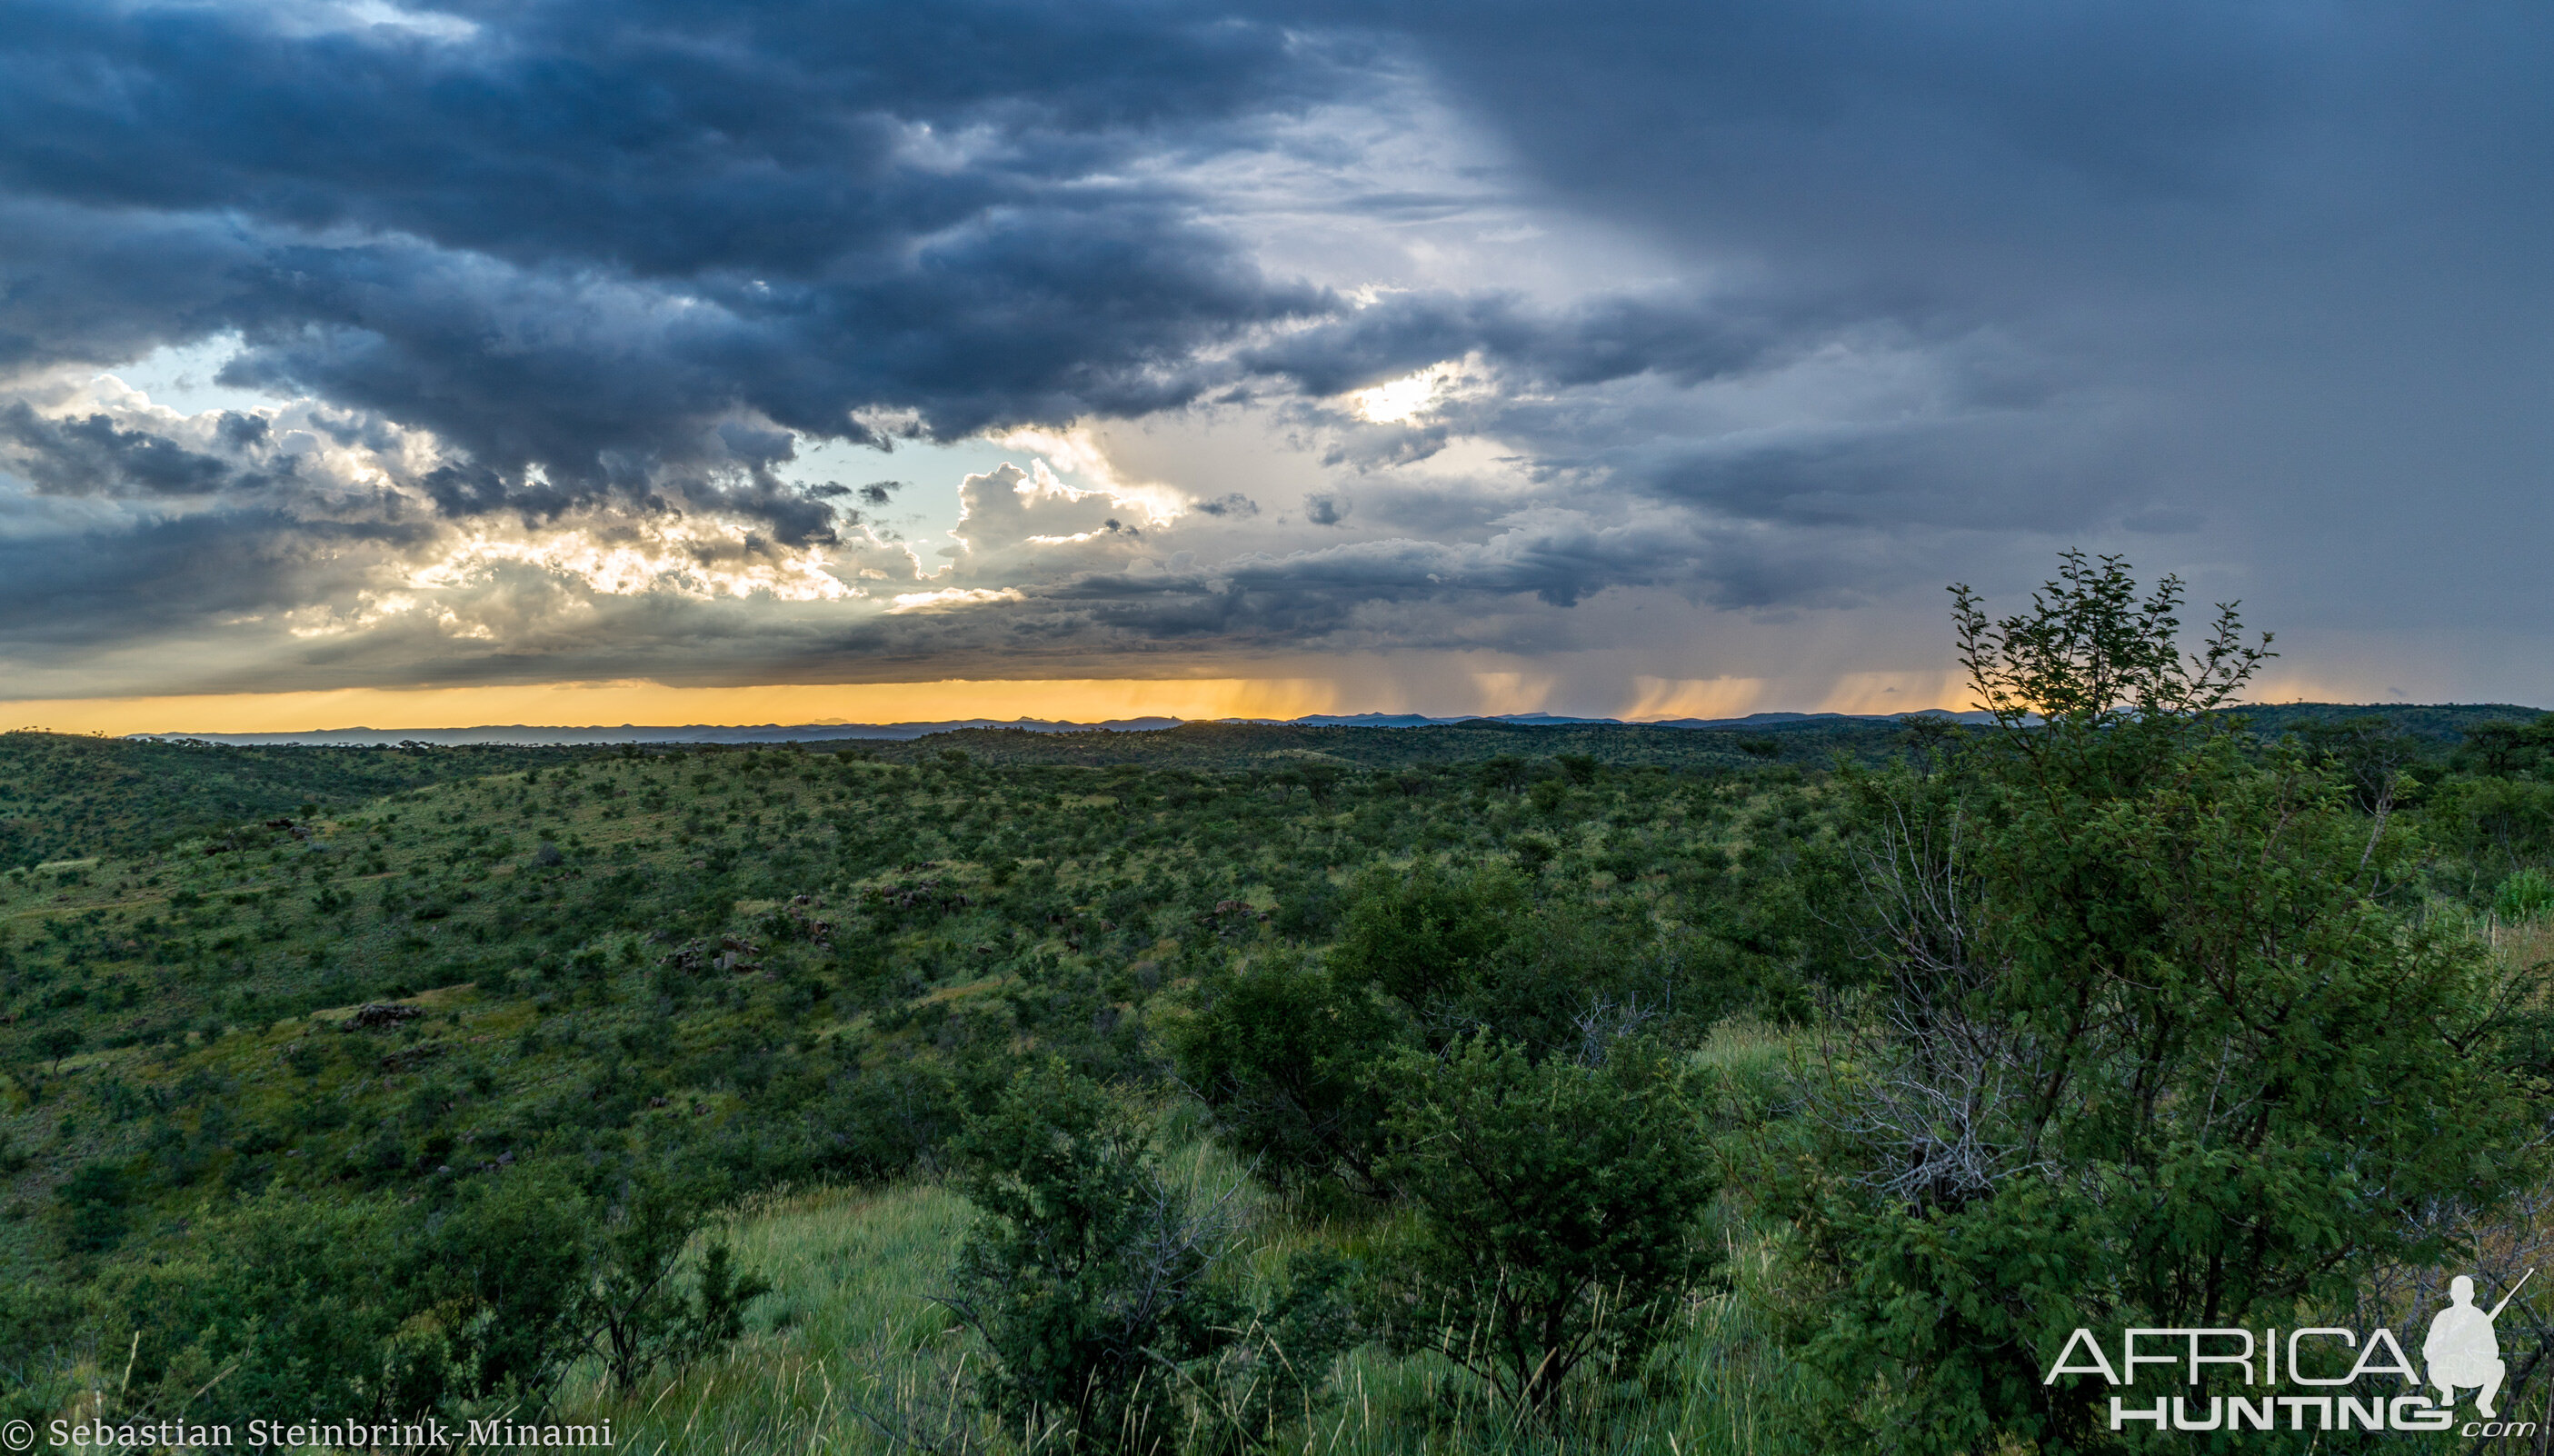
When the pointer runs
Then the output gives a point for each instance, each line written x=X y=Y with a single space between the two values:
x=2317 y=1379
x=2463 y=1350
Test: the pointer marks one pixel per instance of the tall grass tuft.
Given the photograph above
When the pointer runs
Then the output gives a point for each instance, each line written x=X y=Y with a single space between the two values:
x=849 y=1352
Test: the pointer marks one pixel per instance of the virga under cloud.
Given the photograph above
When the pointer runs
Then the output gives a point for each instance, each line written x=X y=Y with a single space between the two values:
x=1593 y=344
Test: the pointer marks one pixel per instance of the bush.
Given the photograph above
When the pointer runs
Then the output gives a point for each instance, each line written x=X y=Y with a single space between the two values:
x=1283 y=1056
x=2135 y=998
x=1307 y=908
x=639 y=1313
x=91 y=1208
x=369 y=1309
x=302 y=1304
x=1555 y=1213
x=1425 y=935
x=1092 y=1286
x=35 y=1327
x=2526 y=895
x=512 y=1253
x=889 y=1118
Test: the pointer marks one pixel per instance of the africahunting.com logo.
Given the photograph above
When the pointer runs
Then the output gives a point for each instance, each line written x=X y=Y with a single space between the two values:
x=2461 y=1353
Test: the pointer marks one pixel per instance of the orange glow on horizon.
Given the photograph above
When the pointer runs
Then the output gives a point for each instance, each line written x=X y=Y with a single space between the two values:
x=1080 y=699
x=655 y=704
x=1860 y=693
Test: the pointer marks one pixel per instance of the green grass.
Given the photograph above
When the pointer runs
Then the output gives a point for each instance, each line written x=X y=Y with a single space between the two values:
x=206 y=981
x=186 y=977
x=849 y=1327
x=65 y=799
x=851 y=1353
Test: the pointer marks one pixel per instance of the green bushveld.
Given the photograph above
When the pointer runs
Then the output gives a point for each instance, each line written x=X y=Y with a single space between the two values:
x=66 y=798
x=1243 y=1088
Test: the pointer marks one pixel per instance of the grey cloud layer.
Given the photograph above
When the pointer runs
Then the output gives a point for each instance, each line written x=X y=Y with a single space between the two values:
x=587 y=235
x=1931 y=290
x=2282 y=264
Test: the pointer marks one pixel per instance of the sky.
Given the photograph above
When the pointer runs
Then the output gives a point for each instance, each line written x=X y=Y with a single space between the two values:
x=570 y=362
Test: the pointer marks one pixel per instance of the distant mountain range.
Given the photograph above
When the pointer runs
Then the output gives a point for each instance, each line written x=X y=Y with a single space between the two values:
x=809 y=733
x=2430 y=721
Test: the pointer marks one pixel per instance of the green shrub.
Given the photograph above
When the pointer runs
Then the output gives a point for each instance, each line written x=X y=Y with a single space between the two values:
x=373 y=1309
x=1425 y=934
x=640 y=1315
x=2524 y=896
x=1284 y=1055
x=91 y=1208
x=512 y=1253
x=288 y=1304
x=2139 y=1000
x=1556 y=1208
x=1094 y=1285
x=37 y=1325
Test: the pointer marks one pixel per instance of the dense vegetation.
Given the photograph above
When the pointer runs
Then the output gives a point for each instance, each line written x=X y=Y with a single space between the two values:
x=1235 y=748
x=65 y=798
x=1546 y=1095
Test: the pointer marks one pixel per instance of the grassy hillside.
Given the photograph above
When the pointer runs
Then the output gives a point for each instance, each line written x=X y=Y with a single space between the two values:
x=65 y=797
x=1225 y=748
x=2440 y=724
x=785 y=983
x=854 y=1354
x=793 y=970
x=715 y=935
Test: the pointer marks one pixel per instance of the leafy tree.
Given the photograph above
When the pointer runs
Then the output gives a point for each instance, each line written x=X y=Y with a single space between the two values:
x=1091 y=1280
x=2143 y=1046
x=508 y=1265
x=1284 y=1055
x=1571 y=978
x=287 y=1304
x=1556 y=1210
x=2368 y=753
x=2500 y=748
x=58 y=1042
x=2497 y=821
x=1532 y=852
x=1291 y=1058
x=92 y=1207
x=634 y=1302
x=1426 y=936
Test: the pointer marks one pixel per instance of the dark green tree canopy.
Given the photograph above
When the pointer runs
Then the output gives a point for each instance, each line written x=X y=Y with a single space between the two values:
x=2144 y=1041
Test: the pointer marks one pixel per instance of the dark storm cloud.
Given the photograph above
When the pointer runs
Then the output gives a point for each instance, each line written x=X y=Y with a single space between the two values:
x=1041 y=316
x=1679 y=338
x=1986 y=471
x=176 y=576
x=1919 y=287
x=84 y=287
x=668 y=139
x=584 y=236
x=1861 y=143
x=91 y=456
x=2299 y=246
x=1557 y=558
